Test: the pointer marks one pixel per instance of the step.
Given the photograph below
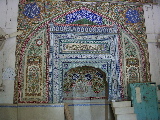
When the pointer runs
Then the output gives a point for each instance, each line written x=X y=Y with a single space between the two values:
x=123 y=110
x=126 y=117
x=121 y=104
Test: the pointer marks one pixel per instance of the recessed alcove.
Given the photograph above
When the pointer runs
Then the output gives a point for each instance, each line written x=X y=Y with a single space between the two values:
x=85 y=84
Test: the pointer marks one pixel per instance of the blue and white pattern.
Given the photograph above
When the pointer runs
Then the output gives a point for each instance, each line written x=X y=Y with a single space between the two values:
x=62 y=62
x=31 y=10
x=87 y=29
x=132 y=16
x=83 y=14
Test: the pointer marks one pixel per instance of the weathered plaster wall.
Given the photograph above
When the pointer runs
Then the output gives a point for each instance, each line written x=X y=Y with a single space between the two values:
x=152 y=22
x=8 y=21
x=151 y=13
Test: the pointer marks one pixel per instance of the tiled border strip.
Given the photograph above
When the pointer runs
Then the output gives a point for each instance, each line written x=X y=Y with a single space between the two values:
x=87 y=104
x=6 y=106
x=12 y=106
x=40 y=106
x=16 y=106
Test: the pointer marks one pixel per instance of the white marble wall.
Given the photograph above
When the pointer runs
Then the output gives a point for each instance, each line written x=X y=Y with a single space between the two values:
x=8 y=21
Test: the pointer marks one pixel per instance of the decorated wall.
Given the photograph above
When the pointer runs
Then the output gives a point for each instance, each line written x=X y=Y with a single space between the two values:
x=79 y=51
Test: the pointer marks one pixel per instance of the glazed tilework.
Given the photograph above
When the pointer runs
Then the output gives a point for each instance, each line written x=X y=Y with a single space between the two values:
x=62 y=37
x=132 y=1
x=31 y=10
x=82 y=78
x=63 y=63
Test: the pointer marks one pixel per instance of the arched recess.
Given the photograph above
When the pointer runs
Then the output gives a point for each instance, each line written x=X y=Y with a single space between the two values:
x=61 y=25
x=85 y=83
x=32 y=69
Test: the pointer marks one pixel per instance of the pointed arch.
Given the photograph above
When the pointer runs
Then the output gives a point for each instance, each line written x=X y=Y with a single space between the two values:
x=58 y=19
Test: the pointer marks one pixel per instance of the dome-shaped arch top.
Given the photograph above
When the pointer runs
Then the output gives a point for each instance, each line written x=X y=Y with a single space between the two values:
x=83 y=16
